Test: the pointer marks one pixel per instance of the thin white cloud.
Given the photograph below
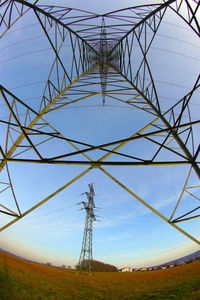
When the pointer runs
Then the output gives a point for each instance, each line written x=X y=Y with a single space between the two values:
x=119 y=237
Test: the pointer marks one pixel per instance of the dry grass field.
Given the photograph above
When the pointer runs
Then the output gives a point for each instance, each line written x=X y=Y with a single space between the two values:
x=20 y=279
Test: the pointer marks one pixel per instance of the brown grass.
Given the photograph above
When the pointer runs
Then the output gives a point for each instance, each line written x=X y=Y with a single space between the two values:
x=20 y=279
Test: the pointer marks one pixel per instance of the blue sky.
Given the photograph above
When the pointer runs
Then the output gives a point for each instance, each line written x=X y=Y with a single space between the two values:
x=128 y=234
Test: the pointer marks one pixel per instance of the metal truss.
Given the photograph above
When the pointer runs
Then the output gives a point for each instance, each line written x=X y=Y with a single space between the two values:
x=85 y=262
x=102 y=53
x=188 y=11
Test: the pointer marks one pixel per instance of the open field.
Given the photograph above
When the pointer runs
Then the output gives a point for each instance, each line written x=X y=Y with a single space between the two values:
x=20 y=279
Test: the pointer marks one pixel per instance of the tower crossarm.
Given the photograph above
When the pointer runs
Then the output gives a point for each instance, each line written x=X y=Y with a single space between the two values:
x=7 y=4
x=152 y=19
x=191 y=158
x=33 y=116
x=59 y=34
x=188 y=11
x=10 y=13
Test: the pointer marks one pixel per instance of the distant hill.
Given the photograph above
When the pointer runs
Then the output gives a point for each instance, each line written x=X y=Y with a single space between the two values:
x=102 y=267
x=98 y=266
x=12 y=254
x=184 y=258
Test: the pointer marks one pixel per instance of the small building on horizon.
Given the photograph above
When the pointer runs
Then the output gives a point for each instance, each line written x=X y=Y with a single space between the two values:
x=127 y=269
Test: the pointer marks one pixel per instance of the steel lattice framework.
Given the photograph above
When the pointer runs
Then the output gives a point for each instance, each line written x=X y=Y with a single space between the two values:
x=86 y=258
x=102 y=52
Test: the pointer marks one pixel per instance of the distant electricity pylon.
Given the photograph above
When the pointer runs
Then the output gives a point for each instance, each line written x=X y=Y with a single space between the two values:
x=111 y=56
x=86 y=259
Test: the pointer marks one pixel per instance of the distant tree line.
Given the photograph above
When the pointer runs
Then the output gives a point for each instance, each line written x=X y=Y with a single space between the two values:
x=98 y=266
x=64 y=266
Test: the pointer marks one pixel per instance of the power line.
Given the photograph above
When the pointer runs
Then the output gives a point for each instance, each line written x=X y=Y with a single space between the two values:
x=25 y=54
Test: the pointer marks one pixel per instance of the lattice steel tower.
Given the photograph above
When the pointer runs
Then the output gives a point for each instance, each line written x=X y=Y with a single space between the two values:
x=86 y=259
x=108 y=56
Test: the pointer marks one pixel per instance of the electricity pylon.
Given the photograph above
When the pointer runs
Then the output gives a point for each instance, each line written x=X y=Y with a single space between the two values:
x=110 y=51
x=86 y=259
